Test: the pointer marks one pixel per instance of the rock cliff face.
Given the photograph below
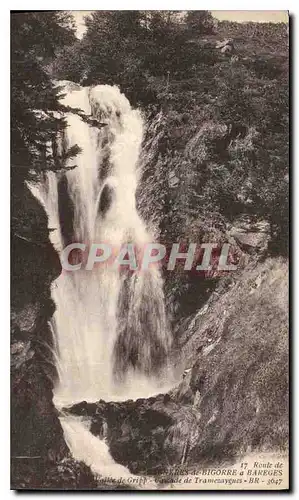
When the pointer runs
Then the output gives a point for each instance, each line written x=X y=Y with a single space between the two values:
x=238 y=350
x=37 y=436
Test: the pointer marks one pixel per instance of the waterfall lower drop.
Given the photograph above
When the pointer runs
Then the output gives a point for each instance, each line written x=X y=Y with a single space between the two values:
x=110 y=328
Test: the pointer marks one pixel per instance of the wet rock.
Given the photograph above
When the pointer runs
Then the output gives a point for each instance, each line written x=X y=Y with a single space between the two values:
x=137 y=431
x=39 y=473
x=35 y=427
x=70 y=474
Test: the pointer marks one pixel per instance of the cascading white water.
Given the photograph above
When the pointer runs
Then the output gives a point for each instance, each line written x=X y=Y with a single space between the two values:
x=110 y=328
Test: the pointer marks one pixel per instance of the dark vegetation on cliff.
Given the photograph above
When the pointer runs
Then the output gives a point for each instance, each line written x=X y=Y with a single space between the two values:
x=215 y=168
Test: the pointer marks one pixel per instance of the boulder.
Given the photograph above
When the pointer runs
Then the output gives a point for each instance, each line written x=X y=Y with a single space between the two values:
x=250 y=241
x=250 y=235
x=173 y=180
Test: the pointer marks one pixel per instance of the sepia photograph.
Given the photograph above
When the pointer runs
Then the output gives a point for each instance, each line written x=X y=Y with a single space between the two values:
x=149 y=217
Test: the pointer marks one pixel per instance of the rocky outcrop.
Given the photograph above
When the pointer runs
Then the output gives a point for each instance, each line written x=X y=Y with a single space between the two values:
x=42 y=474
x=36 y=433
x=226 y=46
x=146 y=435
x=252 y=236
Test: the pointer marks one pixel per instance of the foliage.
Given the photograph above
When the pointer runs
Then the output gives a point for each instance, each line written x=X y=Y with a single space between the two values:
x=225 y=137
x=216 y=122
x=129 y=48
x=200 y=22
x=36 y=116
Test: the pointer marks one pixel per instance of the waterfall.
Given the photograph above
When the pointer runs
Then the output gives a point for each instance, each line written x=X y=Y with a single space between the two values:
x=110 y=329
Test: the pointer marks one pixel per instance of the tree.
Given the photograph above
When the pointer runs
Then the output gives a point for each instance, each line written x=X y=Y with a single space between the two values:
x=199 y=22
x=71 y=63
x=35 y=107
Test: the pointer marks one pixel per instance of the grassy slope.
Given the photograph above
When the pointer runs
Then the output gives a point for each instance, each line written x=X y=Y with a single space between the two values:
x=260 y=37
x=239 y=353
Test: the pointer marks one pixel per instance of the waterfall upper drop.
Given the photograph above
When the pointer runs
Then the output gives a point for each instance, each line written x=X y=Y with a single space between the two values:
x=112 y=338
